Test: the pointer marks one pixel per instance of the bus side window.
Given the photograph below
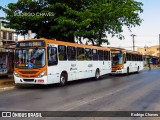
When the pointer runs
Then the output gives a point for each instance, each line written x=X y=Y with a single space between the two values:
x=52 y=56
x=88 y=55
x=95 y=54
x=62 y=52
x=106 y=56
x=129 y=57
x=125 y=57
x=109 y=55
x=71 y=53
x=141 y=58
x=100 y=53
x=80 y=53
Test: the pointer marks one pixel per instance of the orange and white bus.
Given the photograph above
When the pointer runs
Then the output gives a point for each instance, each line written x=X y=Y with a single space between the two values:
x=43 y=61
x=125 y=61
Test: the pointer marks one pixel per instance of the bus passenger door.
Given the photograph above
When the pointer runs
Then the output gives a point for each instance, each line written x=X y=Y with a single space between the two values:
x=53 y=73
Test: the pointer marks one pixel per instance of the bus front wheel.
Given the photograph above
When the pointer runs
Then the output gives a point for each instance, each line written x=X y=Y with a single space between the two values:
x=63 y=79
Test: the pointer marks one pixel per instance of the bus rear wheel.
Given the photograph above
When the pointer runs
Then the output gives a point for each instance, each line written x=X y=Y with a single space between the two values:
x=128 y=71
x=63 y=80
x=138 y=69
x=97 y=74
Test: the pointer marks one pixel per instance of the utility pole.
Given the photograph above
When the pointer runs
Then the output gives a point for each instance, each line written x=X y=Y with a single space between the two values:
x=29 y=34
x=159 y=51
x=133 y=41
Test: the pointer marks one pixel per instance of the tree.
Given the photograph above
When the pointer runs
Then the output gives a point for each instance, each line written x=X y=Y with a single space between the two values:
x=91 y=19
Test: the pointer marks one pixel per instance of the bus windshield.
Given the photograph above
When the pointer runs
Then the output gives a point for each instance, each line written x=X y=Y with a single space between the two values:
x=117 y=59
x=30 y=58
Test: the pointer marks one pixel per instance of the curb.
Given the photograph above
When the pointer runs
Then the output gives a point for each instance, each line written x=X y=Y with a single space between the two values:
x=5 y=88
x=4 y=84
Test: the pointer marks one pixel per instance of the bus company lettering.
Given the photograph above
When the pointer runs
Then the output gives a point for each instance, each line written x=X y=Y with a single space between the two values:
x=73 y=68
x=73 y=65
x=90 y=65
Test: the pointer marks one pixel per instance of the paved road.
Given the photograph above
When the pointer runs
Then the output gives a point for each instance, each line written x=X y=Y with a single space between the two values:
x=136 y=92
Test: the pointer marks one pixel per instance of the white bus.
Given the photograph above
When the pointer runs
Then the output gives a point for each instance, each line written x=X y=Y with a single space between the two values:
x=43 y=61
x=125 y=61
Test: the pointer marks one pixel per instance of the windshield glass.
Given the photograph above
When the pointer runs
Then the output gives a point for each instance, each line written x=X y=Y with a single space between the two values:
x=30 y=58
x=3 y=61
x=117 y=58
x=2 y=66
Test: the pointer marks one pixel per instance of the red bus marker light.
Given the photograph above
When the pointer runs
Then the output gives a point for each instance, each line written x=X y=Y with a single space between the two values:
x=40 y=80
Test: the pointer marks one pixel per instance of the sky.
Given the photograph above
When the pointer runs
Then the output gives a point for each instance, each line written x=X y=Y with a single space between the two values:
x=147 y=34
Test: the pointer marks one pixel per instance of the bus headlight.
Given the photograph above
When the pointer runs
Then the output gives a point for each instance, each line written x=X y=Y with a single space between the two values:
x=16 y=74
x=120 y=68
x=42 y=74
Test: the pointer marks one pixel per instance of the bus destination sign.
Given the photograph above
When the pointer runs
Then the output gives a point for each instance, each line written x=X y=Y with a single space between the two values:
x=31 y=44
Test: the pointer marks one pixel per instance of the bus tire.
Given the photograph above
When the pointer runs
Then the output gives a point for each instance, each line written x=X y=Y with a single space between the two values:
x=138 y=69
x=63 y=79
x=128 y=71
x=97 y=74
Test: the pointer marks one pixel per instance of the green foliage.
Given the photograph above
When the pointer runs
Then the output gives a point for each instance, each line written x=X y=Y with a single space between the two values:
x=91 y=19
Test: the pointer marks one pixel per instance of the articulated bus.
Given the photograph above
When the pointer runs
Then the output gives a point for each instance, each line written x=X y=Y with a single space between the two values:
x=43 y=61
x=125 y=61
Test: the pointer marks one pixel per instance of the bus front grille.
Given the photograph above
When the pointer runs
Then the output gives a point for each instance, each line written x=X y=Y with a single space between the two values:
x=28 y=72
x=28 y=80
x=29 y=76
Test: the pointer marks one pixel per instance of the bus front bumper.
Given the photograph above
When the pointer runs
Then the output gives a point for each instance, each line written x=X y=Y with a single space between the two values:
x=117 y=71
x=42 y=80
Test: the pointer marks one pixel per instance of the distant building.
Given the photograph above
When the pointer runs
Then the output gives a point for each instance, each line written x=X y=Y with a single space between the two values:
x=7 y=44
x=152 y=51
x=7 y=35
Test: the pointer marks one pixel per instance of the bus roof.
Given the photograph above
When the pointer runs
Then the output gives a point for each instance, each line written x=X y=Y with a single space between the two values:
x=134 y=52
x=68 y=43
x=124 y=50
x=117 y=49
